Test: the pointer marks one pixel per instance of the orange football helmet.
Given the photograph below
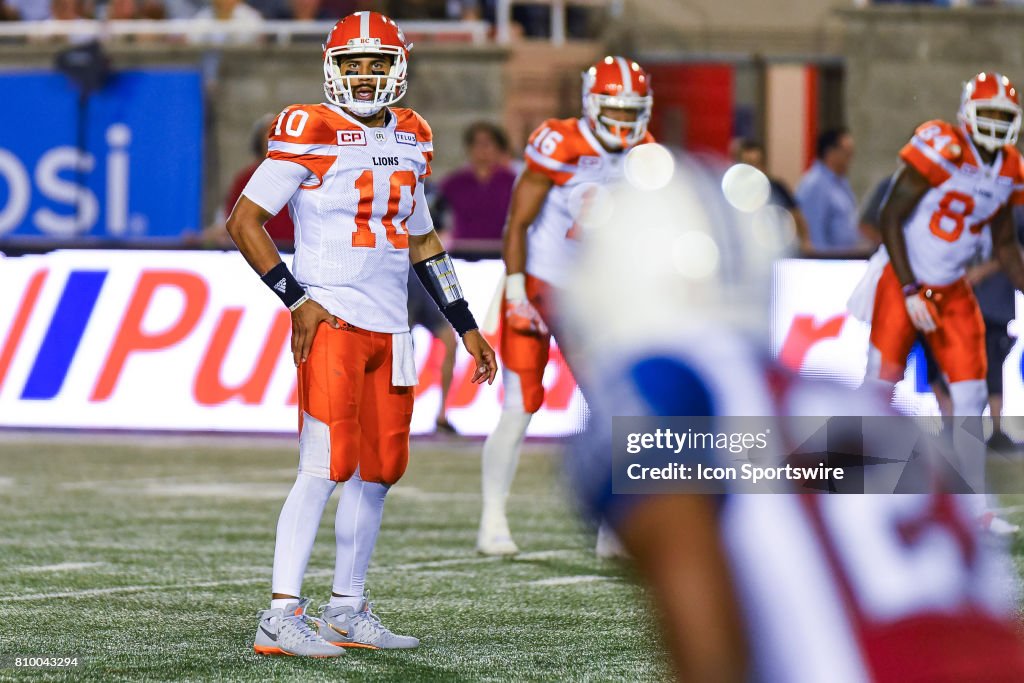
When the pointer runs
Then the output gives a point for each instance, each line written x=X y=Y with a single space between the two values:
x=988 y=92
x=617 y=83
x=365 y=33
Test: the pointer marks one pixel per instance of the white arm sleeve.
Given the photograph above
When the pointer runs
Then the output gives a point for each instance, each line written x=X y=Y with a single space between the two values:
x=420 y=222
x=274 y=183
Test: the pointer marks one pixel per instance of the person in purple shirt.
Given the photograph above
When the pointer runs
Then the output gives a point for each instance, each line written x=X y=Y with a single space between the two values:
x=473 y=202
x=476 y=196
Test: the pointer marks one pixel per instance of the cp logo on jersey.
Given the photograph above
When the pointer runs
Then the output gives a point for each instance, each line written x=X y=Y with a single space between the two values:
x=351 y=137
x=379 y=136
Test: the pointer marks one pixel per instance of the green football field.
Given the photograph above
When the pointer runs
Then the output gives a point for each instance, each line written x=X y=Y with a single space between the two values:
x=148 y=558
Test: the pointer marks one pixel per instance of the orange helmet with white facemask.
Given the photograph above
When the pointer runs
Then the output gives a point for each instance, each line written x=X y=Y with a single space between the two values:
x=365 y=34
x=617 y=83
x=985 y=93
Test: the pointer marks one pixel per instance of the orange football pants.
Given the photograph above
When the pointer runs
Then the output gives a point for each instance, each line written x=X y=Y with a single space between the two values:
x=958 y=344
x=527 y=354
x=345 y=383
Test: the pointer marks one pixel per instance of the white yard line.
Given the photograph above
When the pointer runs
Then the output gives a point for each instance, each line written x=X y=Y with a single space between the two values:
x=61 y=567
x=567 y=580
x=413 y=493
x=6 y=482
x=93 y=592
x=319 y=573
x=545 y=554
x=413 y=566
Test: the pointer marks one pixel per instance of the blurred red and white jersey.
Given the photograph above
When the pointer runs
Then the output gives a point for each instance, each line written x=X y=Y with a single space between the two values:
x=850 y=588
x=568 y=152
x=883 y=588
x=355 y=195
x=843 y=588
x=945 y=231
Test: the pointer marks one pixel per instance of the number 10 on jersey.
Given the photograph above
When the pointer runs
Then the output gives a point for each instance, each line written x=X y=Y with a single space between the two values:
x=397 y=235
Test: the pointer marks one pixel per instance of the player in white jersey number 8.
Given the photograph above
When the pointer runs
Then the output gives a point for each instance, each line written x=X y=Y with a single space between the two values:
x=954 y=183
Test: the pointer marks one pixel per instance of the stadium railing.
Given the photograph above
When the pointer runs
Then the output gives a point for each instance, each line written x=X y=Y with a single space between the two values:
x=214 y=32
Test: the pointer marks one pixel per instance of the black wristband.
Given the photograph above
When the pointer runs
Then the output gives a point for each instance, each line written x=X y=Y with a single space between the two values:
x=283 y=283
x=459 y=317
x=437 y=275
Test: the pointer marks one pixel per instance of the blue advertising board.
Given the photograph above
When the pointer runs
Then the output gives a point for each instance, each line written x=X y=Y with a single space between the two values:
x=140 y=176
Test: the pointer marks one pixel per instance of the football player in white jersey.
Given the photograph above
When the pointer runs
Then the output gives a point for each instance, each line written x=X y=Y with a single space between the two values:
x=954 y=183
x=351 y=171
x=566 y=160
x=775 y=587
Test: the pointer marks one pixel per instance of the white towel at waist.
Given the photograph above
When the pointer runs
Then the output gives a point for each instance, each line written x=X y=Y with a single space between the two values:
x=861 y=303
x=403 y=360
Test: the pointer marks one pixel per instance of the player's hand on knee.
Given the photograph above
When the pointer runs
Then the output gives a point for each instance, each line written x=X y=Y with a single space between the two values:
x=305 y=321
x=483 y=354
x=922 y=312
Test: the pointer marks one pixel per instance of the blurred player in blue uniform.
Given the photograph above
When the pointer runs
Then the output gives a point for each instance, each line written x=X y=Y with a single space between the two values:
x=668 y=310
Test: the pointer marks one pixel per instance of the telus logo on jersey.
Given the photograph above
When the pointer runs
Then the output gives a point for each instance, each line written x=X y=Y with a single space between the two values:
x=405 y=138
x=385 y=161
x=351 y=137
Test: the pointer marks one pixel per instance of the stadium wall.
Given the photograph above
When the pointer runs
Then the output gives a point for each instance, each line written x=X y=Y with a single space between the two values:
x=451 y=85
x=905 y=66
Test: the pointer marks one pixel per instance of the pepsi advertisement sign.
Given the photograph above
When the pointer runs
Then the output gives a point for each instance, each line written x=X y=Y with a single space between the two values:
x=139 y=176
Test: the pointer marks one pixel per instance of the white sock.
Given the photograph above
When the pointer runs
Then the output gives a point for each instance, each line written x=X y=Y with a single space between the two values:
x=969 y=400
x=296 y=531
x=360 y=512
x=353 y=602
x=280 y=603
x=501 y=450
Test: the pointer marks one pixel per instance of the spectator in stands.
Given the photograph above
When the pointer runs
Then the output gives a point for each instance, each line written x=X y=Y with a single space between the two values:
x=280 y=227
x=29 y=10
x=420 y=9
x=152 y=9
x=997 y=301
x=303 y=10
x=120 y=10
x=67 y=10
x=238 y=13
x=342 y=8
x=750 y=152
x=181 y=9
x=871 y=214
x=825 y=197
x=477 y=195
x=423 y=311
x=229 y=10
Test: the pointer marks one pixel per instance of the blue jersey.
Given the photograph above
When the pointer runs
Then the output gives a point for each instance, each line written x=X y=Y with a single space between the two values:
x=832 y=587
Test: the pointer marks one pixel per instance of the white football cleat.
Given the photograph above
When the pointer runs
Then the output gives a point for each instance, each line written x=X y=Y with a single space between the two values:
x=348 y=627
x=609 y=547
x=290 y=631
x=494 y=537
